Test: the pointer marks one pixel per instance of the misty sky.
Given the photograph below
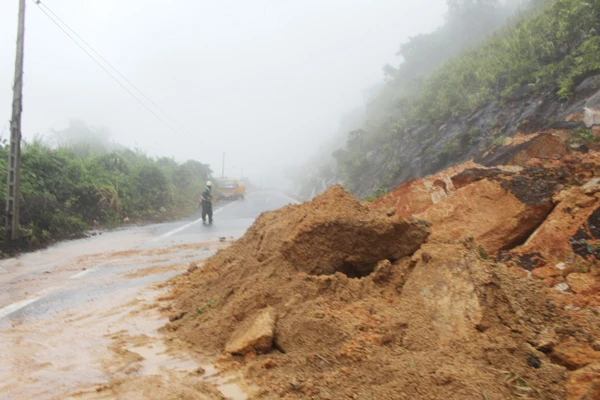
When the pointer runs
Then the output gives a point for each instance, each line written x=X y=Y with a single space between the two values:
x=265 y=81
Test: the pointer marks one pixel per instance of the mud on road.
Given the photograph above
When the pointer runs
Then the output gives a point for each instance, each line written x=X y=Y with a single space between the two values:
x=86 y=326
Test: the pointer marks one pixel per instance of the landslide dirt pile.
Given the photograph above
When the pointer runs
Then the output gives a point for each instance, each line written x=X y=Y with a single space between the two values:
x=333 y=299
x=539 y=214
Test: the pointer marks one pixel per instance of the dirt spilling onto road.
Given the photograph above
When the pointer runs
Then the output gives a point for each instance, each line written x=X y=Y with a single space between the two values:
x=91 y=332
x=335 y=299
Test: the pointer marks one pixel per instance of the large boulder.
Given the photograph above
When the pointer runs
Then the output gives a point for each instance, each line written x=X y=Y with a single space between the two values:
x=567 y=231
x=547 y=146
x=418 y=195
x=442 y=293
x=488 y=212
x=258 y=337
x=498 y=207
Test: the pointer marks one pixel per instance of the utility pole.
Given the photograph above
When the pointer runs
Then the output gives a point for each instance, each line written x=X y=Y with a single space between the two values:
x=223 y=169
x=13 y=186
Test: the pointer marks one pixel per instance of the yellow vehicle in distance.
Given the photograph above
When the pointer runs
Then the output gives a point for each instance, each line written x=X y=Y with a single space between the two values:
x=230 y=189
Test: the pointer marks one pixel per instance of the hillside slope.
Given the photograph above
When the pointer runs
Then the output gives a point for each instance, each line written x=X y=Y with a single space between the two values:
x=538 y=72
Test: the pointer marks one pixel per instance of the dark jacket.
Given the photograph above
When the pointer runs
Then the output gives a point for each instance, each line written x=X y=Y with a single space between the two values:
x=207 y=195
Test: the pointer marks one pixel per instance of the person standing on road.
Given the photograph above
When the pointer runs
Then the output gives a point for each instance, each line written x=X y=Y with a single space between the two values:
x=206 y=200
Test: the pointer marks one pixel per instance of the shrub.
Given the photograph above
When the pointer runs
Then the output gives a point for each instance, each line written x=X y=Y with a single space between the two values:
x=64 y=192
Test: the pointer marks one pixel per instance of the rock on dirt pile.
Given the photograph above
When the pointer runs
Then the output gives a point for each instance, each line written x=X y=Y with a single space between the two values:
x=333 y=299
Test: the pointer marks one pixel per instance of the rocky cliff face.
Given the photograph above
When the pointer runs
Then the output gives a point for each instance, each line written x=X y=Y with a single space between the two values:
x=430 y=148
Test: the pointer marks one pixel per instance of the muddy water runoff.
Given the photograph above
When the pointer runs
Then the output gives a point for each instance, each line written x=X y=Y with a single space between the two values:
x=81 y=320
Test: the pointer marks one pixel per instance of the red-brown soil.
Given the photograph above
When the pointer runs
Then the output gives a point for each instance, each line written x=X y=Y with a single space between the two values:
x=359 y=302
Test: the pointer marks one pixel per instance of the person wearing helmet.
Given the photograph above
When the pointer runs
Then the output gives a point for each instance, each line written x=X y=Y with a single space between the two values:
x=206 y=200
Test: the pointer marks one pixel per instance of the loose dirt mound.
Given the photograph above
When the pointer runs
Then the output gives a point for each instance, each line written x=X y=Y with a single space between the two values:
x=335 y=232
x=355 y=305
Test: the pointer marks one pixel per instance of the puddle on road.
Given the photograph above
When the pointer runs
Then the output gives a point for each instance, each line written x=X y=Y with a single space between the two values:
x=157 y=361
x=76 y=352
x=96 y=336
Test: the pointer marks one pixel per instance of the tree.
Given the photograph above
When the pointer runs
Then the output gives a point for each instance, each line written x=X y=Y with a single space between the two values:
x=83 y=140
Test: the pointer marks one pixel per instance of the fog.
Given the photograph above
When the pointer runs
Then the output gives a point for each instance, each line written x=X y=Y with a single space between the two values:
x=264 y=81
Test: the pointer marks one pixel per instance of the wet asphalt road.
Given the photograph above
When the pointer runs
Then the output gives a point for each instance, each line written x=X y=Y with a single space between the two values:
x=39 y=283
x=61 y=307
x=230 y=218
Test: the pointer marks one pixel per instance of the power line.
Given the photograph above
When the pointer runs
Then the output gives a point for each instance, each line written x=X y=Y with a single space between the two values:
x=112 y=66
x=109 y=73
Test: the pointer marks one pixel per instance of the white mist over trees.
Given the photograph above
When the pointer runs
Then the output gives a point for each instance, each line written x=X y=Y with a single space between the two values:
x=466 y=24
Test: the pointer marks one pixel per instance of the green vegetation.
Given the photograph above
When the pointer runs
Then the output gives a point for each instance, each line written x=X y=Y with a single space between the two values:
x=375 y=194
x=86 y=181
x=582 y=136
x=498 y=141
x=551 y=46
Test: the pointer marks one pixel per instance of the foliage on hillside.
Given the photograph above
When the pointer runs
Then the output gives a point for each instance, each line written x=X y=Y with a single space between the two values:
x=86 y=181
x=550 y=46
